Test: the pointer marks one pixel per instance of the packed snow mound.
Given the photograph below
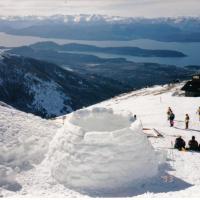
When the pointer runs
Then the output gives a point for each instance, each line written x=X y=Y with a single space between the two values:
x=101 y=150
x=23 y=142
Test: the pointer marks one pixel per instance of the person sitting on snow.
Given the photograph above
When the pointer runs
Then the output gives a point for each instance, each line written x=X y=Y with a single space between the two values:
x=179 y=143
x=193 y=144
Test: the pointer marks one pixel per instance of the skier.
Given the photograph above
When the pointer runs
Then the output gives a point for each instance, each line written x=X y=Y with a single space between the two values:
x=198 y=112
x=135 y=117
x=171 y=119
x=179 y=143
x=169 y=111
x=187 y=120
x=193 y=144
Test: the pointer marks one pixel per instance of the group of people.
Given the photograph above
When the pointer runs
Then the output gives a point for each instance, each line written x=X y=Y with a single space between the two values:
x=192 y=144
x=171 y=117
x=180 y=144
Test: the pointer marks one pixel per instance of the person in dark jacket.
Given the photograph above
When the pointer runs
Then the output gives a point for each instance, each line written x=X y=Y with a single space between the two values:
x=171 y=119
x=169 y=111
x=179 y=143
x=193 y=144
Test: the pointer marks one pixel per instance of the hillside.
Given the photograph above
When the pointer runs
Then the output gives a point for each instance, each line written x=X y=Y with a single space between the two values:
x=48 y=90
x=177 y=177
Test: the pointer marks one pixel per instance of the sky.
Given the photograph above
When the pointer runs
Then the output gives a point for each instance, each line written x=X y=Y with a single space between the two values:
x=126 y=8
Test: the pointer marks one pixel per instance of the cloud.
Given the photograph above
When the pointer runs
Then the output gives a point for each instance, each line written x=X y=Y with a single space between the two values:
x=134 y=8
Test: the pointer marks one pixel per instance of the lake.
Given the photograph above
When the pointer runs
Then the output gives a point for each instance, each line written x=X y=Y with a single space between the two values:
x=192 y=50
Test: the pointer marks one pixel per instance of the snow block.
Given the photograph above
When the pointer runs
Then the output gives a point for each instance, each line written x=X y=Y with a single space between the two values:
x=101 y=149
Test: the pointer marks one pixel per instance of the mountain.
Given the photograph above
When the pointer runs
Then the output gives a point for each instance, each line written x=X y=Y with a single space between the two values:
x=47 y=90
x=98 y=27
x=132 y=51
x=136 y=75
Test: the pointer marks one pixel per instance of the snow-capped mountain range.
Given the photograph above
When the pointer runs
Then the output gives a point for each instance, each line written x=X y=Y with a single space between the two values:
x=80 y=18
x=100 y=27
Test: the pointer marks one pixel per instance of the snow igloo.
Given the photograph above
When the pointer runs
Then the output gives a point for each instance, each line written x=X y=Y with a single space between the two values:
x=100 y=149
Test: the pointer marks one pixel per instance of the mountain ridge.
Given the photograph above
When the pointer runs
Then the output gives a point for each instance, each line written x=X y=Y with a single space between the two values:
x=98 y=27
x=123 y=50
x=47 y=90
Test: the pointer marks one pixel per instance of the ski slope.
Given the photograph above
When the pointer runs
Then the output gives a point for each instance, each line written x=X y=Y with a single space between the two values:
x=25 y=140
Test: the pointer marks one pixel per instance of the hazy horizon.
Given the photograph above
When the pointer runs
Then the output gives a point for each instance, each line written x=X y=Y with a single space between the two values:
x=123 y=8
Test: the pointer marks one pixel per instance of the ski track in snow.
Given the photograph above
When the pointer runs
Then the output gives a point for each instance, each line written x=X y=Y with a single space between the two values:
x=179 y=177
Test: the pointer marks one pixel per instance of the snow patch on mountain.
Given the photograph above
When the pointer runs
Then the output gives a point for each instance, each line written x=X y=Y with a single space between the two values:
x=44 y=92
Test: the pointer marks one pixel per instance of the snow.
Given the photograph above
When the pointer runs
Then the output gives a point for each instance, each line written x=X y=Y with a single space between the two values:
x=23 y=143
x=30 y=165
x=1 y=53
x=95 y=18
x=44 y=92
x=100 y=150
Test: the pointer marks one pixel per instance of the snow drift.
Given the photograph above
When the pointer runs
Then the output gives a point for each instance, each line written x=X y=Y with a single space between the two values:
x=100 y=150
x=23 y=142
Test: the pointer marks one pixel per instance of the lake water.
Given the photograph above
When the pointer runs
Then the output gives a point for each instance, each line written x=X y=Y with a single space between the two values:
x=192 y=50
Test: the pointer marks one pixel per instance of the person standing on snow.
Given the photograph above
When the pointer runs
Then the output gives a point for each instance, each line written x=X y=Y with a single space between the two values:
x=169 y=111
x=187 y=120
x=198 y=112
x=171 y=119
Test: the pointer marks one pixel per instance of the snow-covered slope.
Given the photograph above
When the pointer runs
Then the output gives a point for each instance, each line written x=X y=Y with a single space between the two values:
x=24 y=139
x=48 y=90
x=179 y=176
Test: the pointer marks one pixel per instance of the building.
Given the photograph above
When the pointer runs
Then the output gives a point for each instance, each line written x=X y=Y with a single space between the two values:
x=192 y=88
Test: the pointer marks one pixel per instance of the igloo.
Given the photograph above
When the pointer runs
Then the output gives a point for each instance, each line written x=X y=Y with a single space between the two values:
x=101 y=149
